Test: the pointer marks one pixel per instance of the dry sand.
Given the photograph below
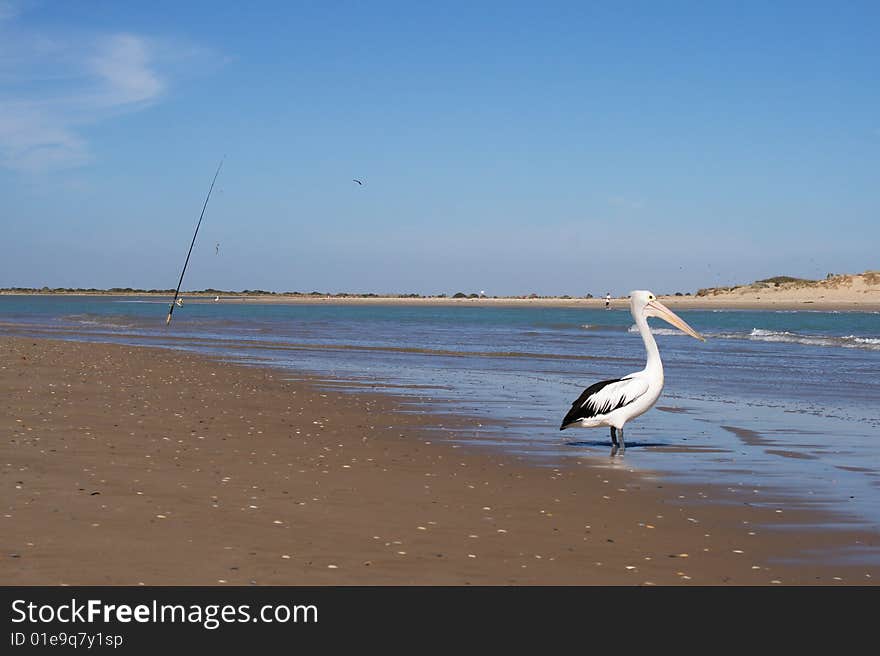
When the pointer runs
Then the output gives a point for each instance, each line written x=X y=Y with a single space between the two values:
x=127 y=465
x=845 y=292
x=860 y=292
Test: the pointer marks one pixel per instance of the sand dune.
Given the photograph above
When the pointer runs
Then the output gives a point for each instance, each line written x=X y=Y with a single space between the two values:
x=838 y=291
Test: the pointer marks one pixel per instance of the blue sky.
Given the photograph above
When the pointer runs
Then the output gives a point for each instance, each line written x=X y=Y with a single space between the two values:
x=555 y=148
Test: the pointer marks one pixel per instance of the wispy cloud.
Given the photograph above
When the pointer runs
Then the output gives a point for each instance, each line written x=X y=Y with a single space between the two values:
x=123 y=65
x=35 y=140
x=56 y=86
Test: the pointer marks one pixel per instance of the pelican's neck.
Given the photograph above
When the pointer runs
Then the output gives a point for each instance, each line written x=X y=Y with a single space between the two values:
x=654 y=365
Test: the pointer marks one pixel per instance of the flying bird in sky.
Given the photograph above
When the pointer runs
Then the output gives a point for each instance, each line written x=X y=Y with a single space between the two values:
x=358 y=181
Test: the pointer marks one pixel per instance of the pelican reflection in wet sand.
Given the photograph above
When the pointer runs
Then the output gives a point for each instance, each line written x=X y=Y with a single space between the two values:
x=614 y=402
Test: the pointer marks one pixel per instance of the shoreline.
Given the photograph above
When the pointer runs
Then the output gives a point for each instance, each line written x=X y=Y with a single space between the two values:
x=864 y=303
x=132 y=464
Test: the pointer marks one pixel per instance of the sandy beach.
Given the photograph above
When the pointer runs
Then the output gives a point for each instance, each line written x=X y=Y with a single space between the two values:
x=845 y=292
x=727 y=301
x=129 y=465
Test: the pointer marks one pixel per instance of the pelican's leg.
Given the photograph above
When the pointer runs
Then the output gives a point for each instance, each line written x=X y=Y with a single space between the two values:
x=622 y=443
x=614 y=445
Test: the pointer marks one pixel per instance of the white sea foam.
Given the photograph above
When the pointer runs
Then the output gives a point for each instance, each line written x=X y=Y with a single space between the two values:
x=846 y=341
x=864 y=340
x=657 y=331
x=98 y=321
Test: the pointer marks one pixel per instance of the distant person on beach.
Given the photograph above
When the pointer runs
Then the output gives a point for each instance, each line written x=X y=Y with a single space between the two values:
x=607 y=300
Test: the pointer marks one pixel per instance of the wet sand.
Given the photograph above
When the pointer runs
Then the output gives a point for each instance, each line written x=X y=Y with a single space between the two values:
x=128 y=465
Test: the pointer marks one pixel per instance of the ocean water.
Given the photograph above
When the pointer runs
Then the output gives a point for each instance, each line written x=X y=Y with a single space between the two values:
x=775 y=405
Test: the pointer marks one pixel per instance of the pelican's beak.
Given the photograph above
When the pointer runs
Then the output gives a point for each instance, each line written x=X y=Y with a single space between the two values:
x=657 y=309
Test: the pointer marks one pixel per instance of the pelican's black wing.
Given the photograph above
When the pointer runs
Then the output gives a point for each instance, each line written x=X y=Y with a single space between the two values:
x=603 y=398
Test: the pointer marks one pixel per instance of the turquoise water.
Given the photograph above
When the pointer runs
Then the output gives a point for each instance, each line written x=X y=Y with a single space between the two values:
x=778 y=405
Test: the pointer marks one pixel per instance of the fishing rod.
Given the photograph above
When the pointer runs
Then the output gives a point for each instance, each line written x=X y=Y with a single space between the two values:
x=201 y=216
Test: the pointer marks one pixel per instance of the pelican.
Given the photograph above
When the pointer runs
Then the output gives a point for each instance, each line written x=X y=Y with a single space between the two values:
x=614 y=402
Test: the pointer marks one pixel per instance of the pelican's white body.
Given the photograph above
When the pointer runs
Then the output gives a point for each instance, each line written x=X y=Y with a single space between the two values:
x=644 y=386
x=615 y=402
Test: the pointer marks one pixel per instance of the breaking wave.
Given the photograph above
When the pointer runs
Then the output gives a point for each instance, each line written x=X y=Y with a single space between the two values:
x=658 y=331
x=846 y=341
x=784 y=336
x=99 y=321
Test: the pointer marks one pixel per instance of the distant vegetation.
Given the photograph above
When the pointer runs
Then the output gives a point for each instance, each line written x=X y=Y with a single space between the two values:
x=205 y=292
x=713 y=290
x=775 y=281
x=831 y=281
x=83 y=290
x=211 y=292
x=778 y=280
